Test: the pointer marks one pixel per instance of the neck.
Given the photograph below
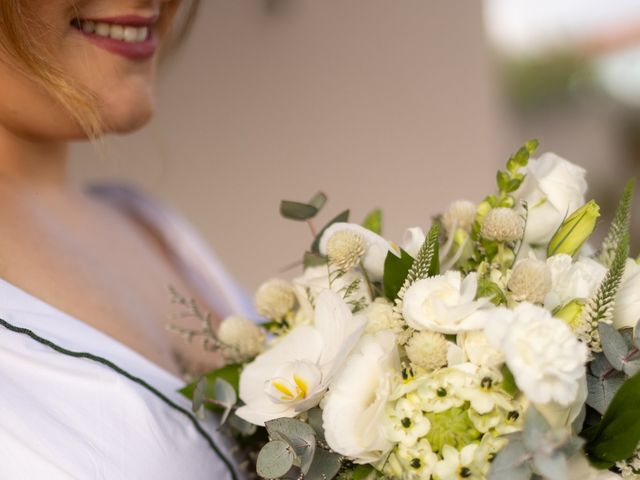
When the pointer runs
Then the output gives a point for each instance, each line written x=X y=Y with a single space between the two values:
x=31 y=161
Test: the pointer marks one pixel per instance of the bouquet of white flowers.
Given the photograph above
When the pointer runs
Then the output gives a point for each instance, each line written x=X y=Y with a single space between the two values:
x=500 y=344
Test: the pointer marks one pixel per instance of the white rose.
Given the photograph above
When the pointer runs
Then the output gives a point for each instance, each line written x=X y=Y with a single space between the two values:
x=292 y=376
x=626 y=313
x=571 y=280
x=553 y=188
x=444 y=303
x=563 y=416
x=545 y=357
x=376 y=247
x=478 y=350
x=354 y=408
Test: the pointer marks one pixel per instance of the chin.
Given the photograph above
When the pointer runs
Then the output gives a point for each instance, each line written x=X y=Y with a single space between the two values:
x=128 y=115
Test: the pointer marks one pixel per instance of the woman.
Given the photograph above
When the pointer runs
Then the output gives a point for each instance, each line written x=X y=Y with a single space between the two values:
x=89 y=272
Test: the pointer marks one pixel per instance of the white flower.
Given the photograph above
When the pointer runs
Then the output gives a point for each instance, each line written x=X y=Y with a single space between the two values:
x=380 y=316
x=354 y=409
x=444 y=303
x=405 y=423
x=572 y=280
x=553 y=189
x=461 y=214
x=478 y=350
x=427 y=350
x=440 y=391
x=345 y=248
x=315 y=280
x=626 y=313
x=413 y=240
x=411 y=463
x=275 y=298
x=292 y=376
x=241 y=338
x=502 y=225
x=456 y=464
x=376 y=247
x=530 y=281
x=579 y=468
x=486 y=393
x=546 y=359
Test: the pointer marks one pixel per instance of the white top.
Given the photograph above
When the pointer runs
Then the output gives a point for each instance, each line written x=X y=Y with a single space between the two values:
x=63 y=417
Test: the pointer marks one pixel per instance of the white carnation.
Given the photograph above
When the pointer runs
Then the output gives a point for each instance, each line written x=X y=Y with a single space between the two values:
x=571 y=280
x=552 y=189
x=626 y=313
x=241 y=338
x=546 y=359
x=354 y=409
x=444 y=303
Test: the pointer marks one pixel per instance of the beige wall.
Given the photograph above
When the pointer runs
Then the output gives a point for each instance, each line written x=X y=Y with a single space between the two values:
x=376 y=102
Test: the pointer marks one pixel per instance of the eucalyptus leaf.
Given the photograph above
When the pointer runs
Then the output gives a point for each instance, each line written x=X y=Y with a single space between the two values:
x=230 y=373
x=631 y=367
x=312 y=259
x=299 y=435
x=226 y=396
x=636 y=335
x=552 y=467
x=511 y=463
x=318 y=201
x=602 y=390
x=599 y=365
x=325 y=465
x=535 y=429
x=613 y=345
x=275 y=459
x=314 y=417
x=297 y=211
x=241 y=426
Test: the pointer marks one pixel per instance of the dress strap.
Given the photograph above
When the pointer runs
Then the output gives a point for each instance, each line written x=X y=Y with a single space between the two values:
x=187 y=249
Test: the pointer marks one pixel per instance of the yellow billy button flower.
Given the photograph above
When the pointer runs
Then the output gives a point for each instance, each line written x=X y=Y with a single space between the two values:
x=575 y=230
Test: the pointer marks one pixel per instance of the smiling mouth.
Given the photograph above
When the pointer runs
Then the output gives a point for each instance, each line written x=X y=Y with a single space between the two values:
x=129 y=36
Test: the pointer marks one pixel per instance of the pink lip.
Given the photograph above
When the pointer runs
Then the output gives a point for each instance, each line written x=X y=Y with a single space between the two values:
x=131 y=50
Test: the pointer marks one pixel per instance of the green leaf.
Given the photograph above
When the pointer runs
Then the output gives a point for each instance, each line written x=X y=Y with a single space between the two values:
x=318 y=201
x=373 y=221
x=199 y=395
x=489 y=289
x=297 y=211
x=613 y=345
x=341 y=217
x=325 y=465
x=230 y=373
x=275 y=459
x=299 y=435
x=312 y=259
x=619 y=226
x=396 y=270
x=618 y=433
x=508 y=381
x=362 y=472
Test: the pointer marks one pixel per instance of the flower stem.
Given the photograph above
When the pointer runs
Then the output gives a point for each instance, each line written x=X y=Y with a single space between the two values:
x=368 y=280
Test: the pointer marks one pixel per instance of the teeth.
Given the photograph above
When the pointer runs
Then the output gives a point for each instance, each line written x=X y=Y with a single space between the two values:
x=117 y=32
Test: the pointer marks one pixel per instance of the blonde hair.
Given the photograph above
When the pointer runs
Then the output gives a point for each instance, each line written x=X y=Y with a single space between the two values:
x=35 y=62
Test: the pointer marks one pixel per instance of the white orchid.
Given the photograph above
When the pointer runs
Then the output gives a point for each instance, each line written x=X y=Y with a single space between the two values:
x=293 y=375
x=376 y=247
x=444 y=303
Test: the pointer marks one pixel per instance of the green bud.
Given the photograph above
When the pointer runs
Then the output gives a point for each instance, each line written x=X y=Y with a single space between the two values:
x=575 y=230
x=484 y=208
x=570 y=313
